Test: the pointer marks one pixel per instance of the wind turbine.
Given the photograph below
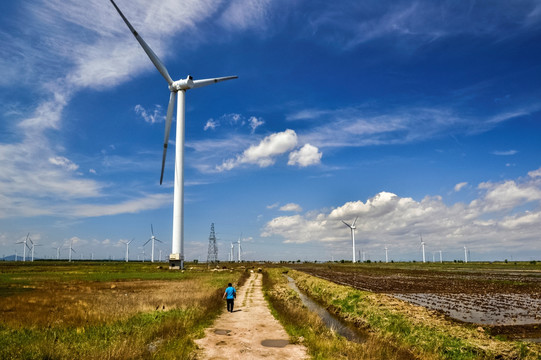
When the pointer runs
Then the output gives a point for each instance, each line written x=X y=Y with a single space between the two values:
x=231 y=254
x=352 y=227
x=57 y=252
x=178 y=89
x=71 y=249
x=25 y=242
x=386 y=254
x=127 y=248
x=423 y=246
x=441 y=259
x=239 y=249
x=153 y=239
x=465 y=254
x=32 y=247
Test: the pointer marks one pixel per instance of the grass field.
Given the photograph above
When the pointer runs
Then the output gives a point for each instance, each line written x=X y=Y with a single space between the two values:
x=106 y=310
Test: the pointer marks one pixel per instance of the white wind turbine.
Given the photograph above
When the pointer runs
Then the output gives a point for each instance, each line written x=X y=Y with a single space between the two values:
x=423 y=246
x=239 y=250
x=71 y=249
x=178 y=89
x=153 y=239
x=57 y=251
x=386 y=254
x=25 y=242
x=127 y=248
x=352 y=227
x=441 y=258
x=465 y=254
x=32 y=247
x=231 y=253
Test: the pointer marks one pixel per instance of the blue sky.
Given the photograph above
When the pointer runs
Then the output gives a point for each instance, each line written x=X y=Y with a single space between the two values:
x=419 y=117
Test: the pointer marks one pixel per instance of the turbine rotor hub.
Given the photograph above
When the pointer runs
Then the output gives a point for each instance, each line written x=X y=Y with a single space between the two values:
x=182 y=84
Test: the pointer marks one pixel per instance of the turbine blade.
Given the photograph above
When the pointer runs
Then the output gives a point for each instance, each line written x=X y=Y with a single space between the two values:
x=152 y=229
x=168 y=121
x=355 y=221
x=153 y=57
x=346 y=224
x=205 y=82
x=147 y=242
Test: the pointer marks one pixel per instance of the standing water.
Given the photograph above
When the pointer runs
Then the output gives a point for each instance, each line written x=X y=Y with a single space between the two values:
x=331 y=321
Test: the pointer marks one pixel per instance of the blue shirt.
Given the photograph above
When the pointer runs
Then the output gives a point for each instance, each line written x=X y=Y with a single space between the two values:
x=230 y=292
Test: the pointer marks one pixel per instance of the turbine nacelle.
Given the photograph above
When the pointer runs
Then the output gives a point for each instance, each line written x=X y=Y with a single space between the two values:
x=182 y=84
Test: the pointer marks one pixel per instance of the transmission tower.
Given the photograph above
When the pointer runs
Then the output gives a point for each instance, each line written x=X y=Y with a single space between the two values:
x=212 y=256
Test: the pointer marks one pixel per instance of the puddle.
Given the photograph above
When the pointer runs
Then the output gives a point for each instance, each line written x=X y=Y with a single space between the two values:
x=221 y=331
x=482 y=309
x=278 y=343
x=330 y=320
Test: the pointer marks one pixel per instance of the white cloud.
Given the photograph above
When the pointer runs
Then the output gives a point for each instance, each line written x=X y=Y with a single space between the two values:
x=255 y=123
x=211 y=124
x=306 y=156
x=63 y=162
x=505 y=153
x=264 y=153
x=155 y=116
x=460 y=186
x=272 y=206
x=495 y=216
x=291 y=207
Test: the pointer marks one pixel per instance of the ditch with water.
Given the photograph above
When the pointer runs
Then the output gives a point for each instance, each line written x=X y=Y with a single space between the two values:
x=333 y=322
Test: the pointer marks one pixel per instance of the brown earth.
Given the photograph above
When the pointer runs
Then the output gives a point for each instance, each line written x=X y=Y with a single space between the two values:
x=493 y=296
x=250 y=332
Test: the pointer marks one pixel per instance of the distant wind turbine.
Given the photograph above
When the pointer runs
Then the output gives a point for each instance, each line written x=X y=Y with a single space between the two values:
x=178 y=89
x=386 y=254
x=71 y=249
x=25 y=242
x=153 y=239
x=465 y=254
x=127 y=248
x=57 y=252
x=239 y=249
x=441 y=259
x=423 y=246
x=352 y=227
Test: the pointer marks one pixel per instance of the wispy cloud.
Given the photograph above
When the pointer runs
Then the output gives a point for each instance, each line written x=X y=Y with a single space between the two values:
x=505 y=153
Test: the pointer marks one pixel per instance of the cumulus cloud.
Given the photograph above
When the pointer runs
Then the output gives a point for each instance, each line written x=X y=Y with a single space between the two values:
x=494 y=216
x=264 y=153
x=291 y=207
x=460 y=186
x=305 y=156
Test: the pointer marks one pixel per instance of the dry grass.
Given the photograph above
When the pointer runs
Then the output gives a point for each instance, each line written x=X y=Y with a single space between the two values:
x=139 y=312
x=55 y=304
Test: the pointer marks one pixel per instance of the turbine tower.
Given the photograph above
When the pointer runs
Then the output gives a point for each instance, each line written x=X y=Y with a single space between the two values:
x=212 y=256
x=178 y=89
x=386 y=254
x=232 y=252
x=127 y=248
x=25 y=242
x=239 y=249
x=71 y=249
x=423 y=246
x=153 y=239
x=441 y=259
x=465 y=254
x=352 y=227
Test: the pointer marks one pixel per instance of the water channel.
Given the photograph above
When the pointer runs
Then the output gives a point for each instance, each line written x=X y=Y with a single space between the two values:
x=331 y=321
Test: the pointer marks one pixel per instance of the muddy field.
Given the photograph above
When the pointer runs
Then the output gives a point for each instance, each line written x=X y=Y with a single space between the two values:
x=505 y=298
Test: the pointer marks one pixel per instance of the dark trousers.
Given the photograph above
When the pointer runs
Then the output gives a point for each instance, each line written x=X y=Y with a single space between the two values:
x=230 y=303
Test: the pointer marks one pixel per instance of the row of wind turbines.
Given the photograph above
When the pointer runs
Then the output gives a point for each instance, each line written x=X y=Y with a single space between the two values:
x=32 y=245
x=353 y=227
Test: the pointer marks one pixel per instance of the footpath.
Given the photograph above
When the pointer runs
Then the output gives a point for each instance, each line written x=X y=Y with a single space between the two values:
x=249 y=332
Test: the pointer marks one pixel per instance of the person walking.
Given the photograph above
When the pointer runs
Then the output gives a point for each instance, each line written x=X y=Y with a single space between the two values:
x=230 y=294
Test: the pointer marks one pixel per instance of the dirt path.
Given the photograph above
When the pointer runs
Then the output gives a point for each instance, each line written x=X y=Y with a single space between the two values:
x=250 y=332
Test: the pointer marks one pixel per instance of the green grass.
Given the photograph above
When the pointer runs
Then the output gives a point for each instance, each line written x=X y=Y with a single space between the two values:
x=161 y=334
x=421 y=331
